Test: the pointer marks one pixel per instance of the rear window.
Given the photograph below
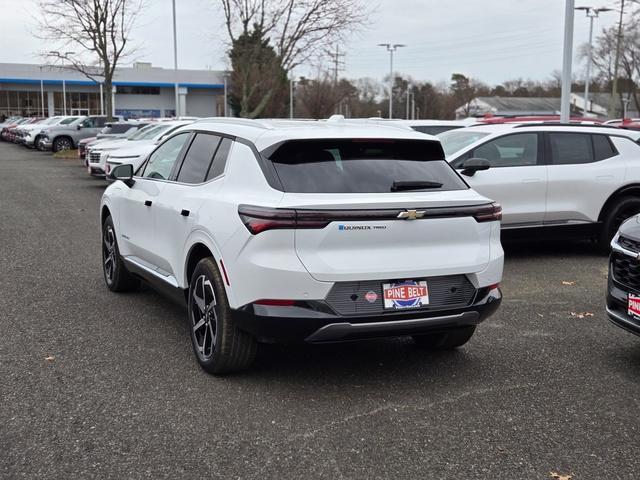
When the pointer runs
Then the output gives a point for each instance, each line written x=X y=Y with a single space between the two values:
x=361 y=166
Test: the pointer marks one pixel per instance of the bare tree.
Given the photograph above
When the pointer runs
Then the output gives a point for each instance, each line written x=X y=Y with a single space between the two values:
x=298 y=31
x=100 y=28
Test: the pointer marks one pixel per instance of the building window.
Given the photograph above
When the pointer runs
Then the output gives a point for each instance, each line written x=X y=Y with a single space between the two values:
x=137 y=90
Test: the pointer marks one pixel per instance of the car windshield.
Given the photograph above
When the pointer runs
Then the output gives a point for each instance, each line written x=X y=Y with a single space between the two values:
x=362 y=166
x=151 y=132
x=69 y=120
x=455 y=140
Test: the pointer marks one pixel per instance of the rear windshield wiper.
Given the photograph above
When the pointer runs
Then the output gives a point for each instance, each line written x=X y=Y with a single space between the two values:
x=409 y=185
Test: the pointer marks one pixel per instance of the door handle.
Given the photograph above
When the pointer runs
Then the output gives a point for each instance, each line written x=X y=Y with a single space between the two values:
x=148 y=203
x=184 y=213
x=531 y=180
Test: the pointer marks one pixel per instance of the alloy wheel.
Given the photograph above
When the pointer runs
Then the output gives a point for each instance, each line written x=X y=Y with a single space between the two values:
x=204 y=320
x=109 y=254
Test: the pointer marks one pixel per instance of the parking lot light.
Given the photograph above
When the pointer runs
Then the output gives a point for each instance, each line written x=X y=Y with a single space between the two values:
x=391 y=48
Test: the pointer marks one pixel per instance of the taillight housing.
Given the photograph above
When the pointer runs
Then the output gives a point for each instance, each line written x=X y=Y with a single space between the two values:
x=488 y=213
x=261 y=219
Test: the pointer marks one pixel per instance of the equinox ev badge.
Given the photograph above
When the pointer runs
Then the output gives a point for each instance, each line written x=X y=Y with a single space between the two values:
x=411 y=214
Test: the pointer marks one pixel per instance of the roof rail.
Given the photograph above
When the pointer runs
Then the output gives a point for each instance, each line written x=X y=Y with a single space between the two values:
x=558 y=124
x=246 y=122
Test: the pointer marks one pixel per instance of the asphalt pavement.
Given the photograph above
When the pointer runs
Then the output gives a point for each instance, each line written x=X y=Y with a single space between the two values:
x=100 y=385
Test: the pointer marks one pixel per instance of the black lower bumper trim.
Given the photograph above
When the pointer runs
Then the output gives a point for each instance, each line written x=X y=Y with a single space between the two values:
x=298 y=324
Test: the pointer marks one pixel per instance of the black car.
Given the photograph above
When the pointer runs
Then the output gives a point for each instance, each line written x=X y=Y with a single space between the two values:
x=623 y=287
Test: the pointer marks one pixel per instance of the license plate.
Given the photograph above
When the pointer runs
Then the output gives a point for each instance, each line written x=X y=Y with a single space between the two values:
x=406 y=294
x=633 y=305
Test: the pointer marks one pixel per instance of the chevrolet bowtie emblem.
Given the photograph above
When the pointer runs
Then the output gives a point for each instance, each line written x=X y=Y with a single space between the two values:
x=411 y=214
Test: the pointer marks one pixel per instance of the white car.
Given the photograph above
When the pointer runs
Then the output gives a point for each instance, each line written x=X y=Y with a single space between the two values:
x=552 y=175
x=303 y=231
x=98 y=154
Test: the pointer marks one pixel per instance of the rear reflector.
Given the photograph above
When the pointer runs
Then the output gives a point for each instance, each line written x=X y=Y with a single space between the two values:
x=276 y=302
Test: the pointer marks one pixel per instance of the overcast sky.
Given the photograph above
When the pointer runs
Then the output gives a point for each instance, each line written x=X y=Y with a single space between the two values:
x=491 y=40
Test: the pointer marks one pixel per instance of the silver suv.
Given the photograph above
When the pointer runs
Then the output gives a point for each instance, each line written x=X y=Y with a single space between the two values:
x=66 y=137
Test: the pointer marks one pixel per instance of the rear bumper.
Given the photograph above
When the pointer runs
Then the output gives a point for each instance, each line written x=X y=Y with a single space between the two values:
x=300 y=324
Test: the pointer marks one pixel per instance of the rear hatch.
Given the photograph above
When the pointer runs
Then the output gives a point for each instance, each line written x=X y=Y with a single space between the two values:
x=372 y=209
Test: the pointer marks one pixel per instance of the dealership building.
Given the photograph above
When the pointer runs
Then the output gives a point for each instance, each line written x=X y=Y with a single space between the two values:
x=139 y=91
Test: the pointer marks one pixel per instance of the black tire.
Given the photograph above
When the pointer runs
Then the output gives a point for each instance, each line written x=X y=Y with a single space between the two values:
x=219 y=346
x=62 y=143
x=620 y=210
x=116 y=275
x=445 y=340
x=36 y=142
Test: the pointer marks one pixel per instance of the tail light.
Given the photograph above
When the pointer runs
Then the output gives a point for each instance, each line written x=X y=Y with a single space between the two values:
x=260 y=219
x=488 y=213
x=275 y=302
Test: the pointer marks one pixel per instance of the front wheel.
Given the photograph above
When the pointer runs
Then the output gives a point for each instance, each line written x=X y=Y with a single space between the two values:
x=620 y=210
x=63 y=143
x=445 y=340
x=219 y=345
x=116 y=275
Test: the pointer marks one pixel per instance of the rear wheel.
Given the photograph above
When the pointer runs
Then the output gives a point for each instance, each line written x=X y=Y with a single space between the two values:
x=445 y=340
x=219 y=346
x=116 y=275
x=620 y=210
x=62 y=143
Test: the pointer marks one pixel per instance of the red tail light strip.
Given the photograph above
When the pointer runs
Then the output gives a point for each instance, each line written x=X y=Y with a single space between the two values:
x=259 y=219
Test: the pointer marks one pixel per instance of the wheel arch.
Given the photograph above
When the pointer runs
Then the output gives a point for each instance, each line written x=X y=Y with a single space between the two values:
x=632 y=190
x=104 y=213
x=201 y=245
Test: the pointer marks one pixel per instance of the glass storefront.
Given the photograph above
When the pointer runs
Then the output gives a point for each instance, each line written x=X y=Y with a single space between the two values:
x=28 y=103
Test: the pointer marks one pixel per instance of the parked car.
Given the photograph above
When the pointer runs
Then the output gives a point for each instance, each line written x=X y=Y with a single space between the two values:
x=6 y=132
x=66 y=137
x=623 y=286
x=146 y=137
x=29 y=135
x=585 y=178
x=111 y=131
x=285 y=231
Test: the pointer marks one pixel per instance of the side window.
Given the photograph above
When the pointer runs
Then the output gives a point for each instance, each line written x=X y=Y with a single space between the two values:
x=161 y=161
x=198 y=158
x=570 y=148
x=100 y=121
x=220 y=160
x=88 y=123
x=518 y=150
x=602 y=147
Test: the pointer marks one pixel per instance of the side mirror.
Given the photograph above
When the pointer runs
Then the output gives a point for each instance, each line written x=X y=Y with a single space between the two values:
x=123 y=172
x=473 y=165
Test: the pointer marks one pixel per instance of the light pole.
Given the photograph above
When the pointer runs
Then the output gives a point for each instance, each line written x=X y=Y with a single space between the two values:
x=175 y=59
x=391 y=48
x=226 y=93
x=291 y=82
x=565 y=97
x=592 y=14
x=614 y=88
x=41 y=93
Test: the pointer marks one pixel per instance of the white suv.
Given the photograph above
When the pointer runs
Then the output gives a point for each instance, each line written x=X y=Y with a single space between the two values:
x=303 y=231
x=146 y=138
x=552 y=175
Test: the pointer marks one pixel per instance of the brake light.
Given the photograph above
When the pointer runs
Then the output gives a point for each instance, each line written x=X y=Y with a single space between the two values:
x=261 y=219
x=488 y=213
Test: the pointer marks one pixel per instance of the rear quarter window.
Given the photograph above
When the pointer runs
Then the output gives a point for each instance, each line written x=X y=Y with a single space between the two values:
x=360 y=165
